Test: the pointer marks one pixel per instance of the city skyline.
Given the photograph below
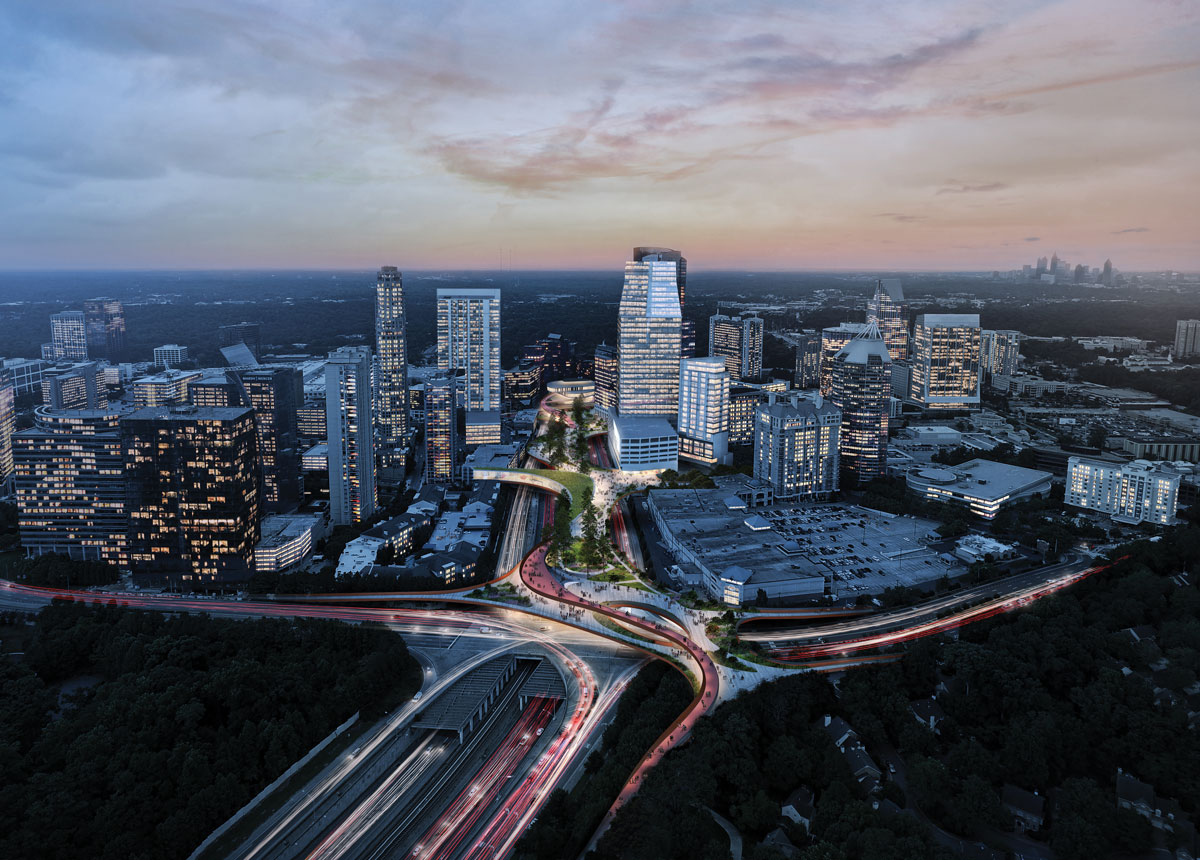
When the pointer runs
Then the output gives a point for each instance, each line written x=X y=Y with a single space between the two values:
x=935 y=136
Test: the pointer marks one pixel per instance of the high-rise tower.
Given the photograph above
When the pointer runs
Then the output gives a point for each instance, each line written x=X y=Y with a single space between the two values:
x=704 y=410
x=740 y=342
x=945 y=362
x=391 y=345
x=105 y=328
x=889 y=310
x=348 y=412
x=468 y=339
x=862 y=390
x=68 y=337
x=648 y=327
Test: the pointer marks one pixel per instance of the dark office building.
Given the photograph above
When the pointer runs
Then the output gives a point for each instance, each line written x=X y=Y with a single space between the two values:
x=244 y=332
x=276 y=394
x=193 y=494
x=105 y=321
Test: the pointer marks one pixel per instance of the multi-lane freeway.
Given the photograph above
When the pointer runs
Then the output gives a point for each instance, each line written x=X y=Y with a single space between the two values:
x=486 y=815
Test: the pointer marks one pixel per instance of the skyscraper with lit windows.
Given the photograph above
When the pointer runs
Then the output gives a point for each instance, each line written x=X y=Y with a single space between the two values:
x=648 y=331
x=999 y=352
x=391 y=344
x=796 y=446
x=606 y=371
x=8 y=424
x=832 y=341
x=889 y=310
x=193 y=494
x=348 y=412
x=687 y=327
x=275 y=393
x=468 y=339
x=68 y=337
x=441 y=428
x=740 y=342
x=704 y=410
x=808 y=359
x=945 y=361
x=70 y=485
x=862 y=390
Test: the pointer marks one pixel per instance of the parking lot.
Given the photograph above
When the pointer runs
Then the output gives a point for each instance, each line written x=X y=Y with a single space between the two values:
x=866 y=551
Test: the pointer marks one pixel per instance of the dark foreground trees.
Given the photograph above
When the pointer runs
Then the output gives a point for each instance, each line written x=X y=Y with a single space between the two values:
x=176 y=722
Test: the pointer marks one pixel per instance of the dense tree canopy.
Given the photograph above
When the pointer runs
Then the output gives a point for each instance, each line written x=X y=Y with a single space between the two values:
x=177 y=722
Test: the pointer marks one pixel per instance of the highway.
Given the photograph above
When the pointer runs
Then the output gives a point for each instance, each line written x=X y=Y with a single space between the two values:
x=881 y=622
x=925 y=623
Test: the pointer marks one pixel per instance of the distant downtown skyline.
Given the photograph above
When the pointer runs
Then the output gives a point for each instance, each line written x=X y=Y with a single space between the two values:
x=931 y=135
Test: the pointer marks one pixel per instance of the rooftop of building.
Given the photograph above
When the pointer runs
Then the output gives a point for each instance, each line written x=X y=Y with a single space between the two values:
x=949 y=320
x=642 y=428
x=726 y=538
x=985 y=479
x=281 y=528
x=188 y=413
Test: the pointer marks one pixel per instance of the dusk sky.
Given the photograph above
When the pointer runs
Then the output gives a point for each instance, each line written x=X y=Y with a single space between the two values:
x=751 y=135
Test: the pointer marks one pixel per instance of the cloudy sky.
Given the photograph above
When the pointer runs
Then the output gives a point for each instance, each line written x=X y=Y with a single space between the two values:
x=459 y=134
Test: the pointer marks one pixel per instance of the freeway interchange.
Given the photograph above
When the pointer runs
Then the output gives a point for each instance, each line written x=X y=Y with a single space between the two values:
x=419 y=790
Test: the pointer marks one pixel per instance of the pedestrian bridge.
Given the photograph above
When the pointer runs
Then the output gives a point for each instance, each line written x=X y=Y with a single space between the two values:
x=578 y=488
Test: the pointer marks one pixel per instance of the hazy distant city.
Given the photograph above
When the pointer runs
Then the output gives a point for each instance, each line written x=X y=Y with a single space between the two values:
x=600 y=432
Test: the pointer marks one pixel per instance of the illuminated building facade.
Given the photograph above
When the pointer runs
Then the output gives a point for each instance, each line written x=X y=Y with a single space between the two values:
x=353 y=495
x=890 y=312
x=808 y=359
x=1137 y=492
x=192 y=494
x=310 y=420
x=215 y=389
x=391 y=344
x=999 y=352
x=523 y=383
x=68 y=337
x=441 y=428
x=832 y=341
x=275 y=394
x=648 y=328
x=170 y=354
x=743 y=401
x=468 y=340
x=945 y=361
x=862 y=390
x=554 y=354
x=687 y=328
x=481 y=428
x=704 y=410
x=796 y=446
x=982 y=486
x=738 y=340
x=80 y=386
x=606 y=371
x=70 y=485
x=8 y=424
x=168 y=388
x=105 y=319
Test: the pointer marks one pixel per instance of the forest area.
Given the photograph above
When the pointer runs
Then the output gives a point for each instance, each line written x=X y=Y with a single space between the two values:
x=127 y=734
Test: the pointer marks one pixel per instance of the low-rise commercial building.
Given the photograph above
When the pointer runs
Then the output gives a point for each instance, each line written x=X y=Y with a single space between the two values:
x=287 y=539
x=982 y=486
x=739 y=556
x=643 y=444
